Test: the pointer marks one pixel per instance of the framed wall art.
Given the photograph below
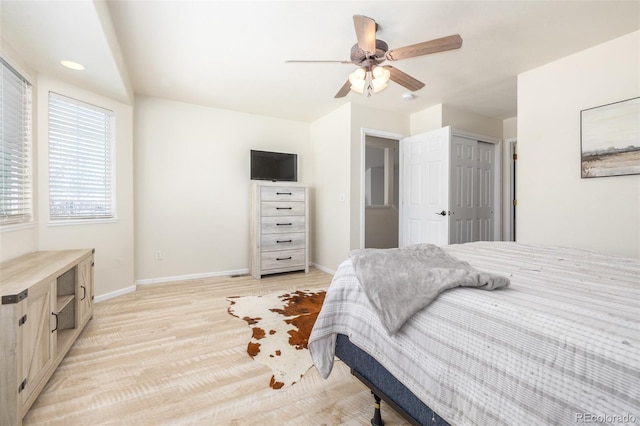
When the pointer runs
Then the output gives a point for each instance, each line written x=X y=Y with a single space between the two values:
x=610 y=139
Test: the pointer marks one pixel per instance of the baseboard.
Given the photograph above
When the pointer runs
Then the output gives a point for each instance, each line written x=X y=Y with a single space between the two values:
x=161 y=280
x=191 y=276
x=323 y=268
x=113 y=294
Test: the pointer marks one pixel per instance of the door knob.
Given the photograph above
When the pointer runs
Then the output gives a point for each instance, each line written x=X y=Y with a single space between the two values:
x=442 y=213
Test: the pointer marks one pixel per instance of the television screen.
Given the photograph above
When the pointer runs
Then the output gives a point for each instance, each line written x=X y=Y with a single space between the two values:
x=274 y=166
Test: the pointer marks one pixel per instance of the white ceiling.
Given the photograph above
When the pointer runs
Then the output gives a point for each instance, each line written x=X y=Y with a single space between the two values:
x=231 y=54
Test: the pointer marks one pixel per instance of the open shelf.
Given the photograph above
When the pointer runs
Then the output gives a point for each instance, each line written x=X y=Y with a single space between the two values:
x=63 y=301
x=65 y=340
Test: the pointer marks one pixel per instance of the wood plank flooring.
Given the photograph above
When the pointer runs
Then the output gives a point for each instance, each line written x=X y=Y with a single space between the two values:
x=171 y=354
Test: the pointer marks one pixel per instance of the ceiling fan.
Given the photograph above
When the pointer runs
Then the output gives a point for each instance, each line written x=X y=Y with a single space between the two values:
x=368 y=53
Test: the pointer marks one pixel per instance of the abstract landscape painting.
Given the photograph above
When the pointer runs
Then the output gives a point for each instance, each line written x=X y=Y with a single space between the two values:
x=610 y=139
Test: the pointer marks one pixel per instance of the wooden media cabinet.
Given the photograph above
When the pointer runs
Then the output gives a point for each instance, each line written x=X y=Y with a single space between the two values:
x=47 y=299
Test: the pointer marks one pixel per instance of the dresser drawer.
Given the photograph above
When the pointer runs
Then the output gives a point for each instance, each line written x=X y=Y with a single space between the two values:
x=282 y=208
x=284 y=224
x=282 y=259
x=281 y=193
x=293 y=241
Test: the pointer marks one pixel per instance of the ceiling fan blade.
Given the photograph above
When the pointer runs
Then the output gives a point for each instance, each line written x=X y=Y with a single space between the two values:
x=404 y=79
x=438 y=45
x=366 y=33
x=344 y=90
x=312 y=61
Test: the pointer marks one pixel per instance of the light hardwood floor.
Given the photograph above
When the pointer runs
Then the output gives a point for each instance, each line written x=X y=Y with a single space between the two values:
x=171 y=354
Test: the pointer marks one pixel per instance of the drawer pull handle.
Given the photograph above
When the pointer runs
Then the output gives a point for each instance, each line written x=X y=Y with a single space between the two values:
x=283 y=258
x=283 y=193
x=283 y=241
x=284 y=224
x=56 y=315
x=283 y=208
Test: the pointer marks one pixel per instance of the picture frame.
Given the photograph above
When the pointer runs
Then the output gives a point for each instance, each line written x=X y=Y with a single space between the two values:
x=610 y=139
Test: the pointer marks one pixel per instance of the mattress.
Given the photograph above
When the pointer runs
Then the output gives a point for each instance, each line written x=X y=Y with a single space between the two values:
x=561 y=345
x=385 y=385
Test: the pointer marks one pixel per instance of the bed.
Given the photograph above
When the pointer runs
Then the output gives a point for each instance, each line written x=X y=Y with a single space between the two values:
x=560 y=345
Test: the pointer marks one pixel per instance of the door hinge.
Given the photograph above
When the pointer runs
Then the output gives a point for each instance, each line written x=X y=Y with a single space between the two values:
x=515 y=156
x=22 y=320
x=515 y=202
x=22 y=385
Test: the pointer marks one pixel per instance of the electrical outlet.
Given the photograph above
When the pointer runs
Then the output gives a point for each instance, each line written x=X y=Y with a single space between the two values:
x=157 y=255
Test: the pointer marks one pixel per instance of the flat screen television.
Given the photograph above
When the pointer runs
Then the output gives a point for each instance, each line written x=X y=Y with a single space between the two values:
x=274 y=166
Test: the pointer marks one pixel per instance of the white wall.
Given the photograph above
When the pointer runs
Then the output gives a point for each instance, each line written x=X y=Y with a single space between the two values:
x=510 y=128
x=426 y=120
x=443 y=115
x=331 y=192
x=113 y=242
x=556 y=206
x=192 y=185
x=467 y=121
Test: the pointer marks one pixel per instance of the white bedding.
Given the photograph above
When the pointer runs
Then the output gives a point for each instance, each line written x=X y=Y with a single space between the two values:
x=560 y=346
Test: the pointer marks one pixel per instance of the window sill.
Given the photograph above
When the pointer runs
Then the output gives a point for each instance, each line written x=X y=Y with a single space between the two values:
x=75 y=222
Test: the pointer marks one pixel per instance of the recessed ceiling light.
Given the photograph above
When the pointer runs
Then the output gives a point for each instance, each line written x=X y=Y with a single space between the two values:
x=73 y=65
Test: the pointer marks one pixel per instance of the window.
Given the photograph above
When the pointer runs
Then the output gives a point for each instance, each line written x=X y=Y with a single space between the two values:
x=15 y=147
x=80 y=166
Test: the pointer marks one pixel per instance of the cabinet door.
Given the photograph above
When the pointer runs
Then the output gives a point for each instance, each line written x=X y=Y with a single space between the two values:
x=84 y=290
x=38 y=339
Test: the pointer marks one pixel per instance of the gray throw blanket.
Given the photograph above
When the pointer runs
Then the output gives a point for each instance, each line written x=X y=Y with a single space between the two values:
x=400 y=282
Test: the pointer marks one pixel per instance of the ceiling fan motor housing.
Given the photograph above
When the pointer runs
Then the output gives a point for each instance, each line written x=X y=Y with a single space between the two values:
x=360 y=57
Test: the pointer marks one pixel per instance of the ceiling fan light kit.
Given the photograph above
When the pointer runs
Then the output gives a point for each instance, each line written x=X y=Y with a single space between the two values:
x=370 y=52
x=369 y=82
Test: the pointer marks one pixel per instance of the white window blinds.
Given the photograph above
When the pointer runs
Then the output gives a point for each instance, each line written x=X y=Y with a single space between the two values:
x=80 y=175
x=15 y=147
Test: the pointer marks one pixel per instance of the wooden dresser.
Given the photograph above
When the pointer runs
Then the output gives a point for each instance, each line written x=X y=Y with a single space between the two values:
x=279 y=235
x=47 y=299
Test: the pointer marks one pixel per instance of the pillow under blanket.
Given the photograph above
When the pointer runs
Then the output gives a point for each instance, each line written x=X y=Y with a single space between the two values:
x=401 y=281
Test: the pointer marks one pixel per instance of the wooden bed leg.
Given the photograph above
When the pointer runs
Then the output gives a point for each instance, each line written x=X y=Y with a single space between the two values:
x=377 y=418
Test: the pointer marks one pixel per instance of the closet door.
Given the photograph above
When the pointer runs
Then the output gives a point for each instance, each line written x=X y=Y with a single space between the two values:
x=464 y=191
x=472 y=190
x=486 y=183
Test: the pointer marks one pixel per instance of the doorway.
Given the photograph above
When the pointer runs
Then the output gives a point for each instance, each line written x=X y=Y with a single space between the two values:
x=381 y=174
x=513 y=199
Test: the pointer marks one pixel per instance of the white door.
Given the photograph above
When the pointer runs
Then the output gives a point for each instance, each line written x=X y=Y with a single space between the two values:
x=472 y=190
x=486 y=181
x=425 y=188
x=464 y=194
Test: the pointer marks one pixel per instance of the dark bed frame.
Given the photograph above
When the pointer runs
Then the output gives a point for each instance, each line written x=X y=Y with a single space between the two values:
x=385 y=386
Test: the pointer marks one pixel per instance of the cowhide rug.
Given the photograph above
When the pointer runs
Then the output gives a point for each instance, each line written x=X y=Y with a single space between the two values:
x=281 y=326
